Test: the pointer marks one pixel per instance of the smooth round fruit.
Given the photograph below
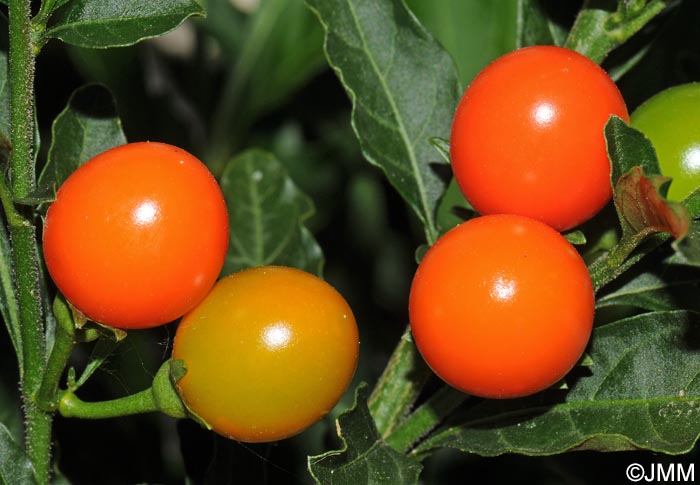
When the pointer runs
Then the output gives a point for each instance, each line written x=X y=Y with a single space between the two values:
x=671 y=120
x=268 y=353
x=501 y=306
x=137 y=235
x=527 y=137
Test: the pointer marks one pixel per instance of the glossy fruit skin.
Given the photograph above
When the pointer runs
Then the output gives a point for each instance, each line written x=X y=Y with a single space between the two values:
x=527 y=136
x=137 y=235
x=671 y=120
x=268 y=352
x=501 y=306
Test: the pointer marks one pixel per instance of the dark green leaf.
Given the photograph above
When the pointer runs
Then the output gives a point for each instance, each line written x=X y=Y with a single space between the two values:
x=420 y=252
x=619 y=70
x=89 y=125
x=227 y=25
x=50 y=6
x=281 y=50
x=474 y=32
x=534 y=27
x=688 y=249
x=9 y=307
x=364 y=458
x=15 y=466
x=692 y=203
x=115 y=23
x=404 y=90
x=442 y=146
x=641 y=391
x=266 y=213
x=367 y=211
x=656 y=291
x=453 y=208
x=628 y=148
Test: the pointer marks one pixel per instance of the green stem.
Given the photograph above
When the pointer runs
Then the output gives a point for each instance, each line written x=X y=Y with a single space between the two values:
x=65 y=341
x=70 y=406
x=603 y=25
x=620 y=258
x=21 y=65
x=13 y=217
x=426 y=418
x=161 y=396
x=23 y=234
x=399 y=385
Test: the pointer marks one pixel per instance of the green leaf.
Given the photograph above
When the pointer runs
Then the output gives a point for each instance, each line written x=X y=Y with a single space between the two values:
x=687 y=249
x=48 y=7
x=15 y=466
x=474 y=32
x=640 y=391
x=116 y=23
x=404 y=90
x=442 y=146
x=88 y=126
x=616 y=72
x=628 y=148
x=603 y=25
x=665 y=290
x=289 y=52
x=280 y=51
x=226 y=24
x=534 y=27
x=364 y=458
x=453 y=208
x=266 y=213
x=9 y=307
x=692 y=203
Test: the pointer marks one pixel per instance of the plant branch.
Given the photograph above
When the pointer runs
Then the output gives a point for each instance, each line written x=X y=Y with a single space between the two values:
x=65 y=341
x=603 y=25
x=23 y=234
x=628 y=251
x=21 y=66
x=399 y=385
x=426 y=418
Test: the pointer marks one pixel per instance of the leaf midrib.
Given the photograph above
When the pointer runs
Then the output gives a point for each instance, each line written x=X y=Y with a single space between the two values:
x=400 y=124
